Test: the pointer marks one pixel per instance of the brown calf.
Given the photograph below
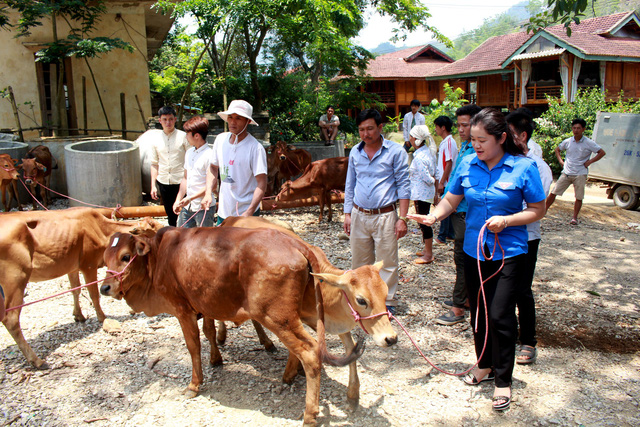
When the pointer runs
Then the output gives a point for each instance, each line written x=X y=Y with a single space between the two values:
x=38 y=246
x=235 y=274
x=338 y=317
x=320 y=178
x=291 y=161
x=8 y=177
x=36 y=169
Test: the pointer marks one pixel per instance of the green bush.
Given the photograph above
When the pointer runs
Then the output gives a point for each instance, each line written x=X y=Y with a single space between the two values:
x=554 y=125
x=452 y=101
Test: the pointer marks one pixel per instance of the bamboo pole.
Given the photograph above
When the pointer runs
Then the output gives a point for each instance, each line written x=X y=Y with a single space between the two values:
x=123 y=115
x=84 y=105
x=133 y=212
x=144 y=122
x=271 y=204
x=12 y=99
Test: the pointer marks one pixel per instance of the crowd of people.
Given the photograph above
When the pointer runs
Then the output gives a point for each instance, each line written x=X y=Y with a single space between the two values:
x=488 y=193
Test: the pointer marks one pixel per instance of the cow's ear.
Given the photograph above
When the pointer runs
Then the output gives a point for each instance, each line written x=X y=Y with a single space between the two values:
x=142 y=247
x=378 y=265
x=18 y=167
x=41 y=166
x=340 y=281
x=15 y=161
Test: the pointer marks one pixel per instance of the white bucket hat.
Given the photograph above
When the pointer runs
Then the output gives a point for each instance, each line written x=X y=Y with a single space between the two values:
x=241 y=108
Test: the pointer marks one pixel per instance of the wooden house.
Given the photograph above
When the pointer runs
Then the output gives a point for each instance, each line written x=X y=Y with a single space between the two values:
x=399 y=77
x=520 y=69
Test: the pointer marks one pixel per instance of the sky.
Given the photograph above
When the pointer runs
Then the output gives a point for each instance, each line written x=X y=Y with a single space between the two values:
x=450 y=17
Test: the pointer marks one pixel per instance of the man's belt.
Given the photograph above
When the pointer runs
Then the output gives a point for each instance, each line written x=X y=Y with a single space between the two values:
x=384 y=209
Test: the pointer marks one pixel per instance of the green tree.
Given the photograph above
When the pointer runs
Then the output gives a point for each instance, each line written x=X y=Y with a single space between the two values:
x=81 y=18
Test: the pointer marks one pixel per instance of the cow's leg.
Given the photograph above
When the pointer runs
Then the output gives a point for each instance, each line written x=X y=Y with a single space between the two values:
x=221 y=337
x=321 y=203
x=327 y=198
x=4 y=192
x=43 y=194
x=91 y=275
x=15 y=194
x=47 y=182
x=304 y=347
x=189 y=324
x=209 y=329
x=353 y=391
x=14 y=297
x=262 y=336
x=292 y=369
x=74 y=282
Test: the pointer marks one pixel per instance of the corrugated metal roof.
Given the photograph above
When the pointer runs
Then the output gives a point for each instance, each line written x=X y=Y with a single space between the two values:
x=541 y=54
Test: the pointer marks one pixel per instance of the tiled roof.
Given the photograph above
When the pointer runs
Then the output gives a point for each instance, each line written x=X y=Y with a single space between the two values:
x=485 y=58
x=399 y=65
x=489 y=56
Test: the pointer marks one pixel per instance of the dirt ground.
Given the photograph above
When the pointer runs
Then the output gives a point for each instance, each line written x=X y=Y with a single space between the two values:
x=587 y=289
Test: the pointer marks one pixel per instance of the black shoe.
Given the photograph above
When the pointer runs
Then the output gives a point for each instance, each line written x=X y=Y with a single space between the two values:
x=449 y=319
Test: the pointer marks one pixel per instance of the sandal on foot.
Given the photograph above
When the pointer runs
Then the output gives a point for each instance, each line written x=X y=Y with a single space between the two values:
x=526 y=355
x=574 y=222
x=501 y=403
x=419 y=253
x=423 y=261
x=472 y=380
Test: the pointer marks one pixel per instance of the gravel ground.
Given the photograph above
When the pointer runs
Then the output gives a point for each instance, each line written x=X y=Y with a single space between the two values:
x=587 y=372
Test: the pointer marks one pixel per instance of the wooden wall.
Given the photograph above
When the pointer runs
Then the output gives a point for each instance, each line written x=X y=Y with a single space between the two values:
x=493 y=91
x=622 y=76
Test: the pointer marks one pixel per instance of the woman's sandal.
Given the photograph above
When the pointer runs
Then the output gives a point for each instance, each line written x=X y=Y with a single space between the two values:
x=501 y=403
x=471 y=379
x=526 y=355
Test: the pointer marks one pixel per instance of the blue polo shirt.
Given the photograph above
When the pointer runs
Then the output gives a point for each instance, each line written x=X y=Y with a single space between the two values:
x=499 y=191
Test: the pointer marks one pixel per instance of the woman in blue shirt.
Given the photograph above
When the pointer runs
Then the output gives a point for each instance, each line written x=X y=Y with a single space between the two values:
x=495 y=181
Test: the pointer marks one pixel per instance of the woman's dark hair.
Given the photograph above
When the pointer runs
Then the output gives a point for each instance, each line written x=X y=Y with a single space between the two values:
x=494 y=124
x=197 y=124
x=443 y=121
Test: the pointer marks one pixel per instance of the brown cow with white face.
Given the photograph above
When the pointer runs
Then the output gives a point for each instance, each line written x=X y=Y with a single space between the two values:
x=234 y=274
x=337 y=314
x=36 y=169
x=319 y=179
x=37 y=246
x=8 y=177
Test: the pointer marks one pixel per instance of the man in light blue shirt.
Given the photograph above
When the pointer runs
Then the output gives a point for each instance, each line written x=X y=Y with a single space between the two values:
x=377 y=183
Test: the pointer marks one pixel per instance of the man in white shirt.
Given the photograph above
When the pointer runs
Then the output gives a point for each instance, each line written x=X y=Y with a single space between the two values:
x=242 y=162
x=411 y=119
x=194 y=182
x=329 y=123
x=168 y=147
x=575 y=166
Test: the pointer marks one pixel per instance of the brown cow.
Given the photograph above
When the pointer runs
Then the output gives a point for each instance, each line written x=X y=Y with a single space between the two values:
x=235 y=274
x=36 y=169
x=8 y=177
x=320 y=178
x=291 y=161
x=338 y=317
x=38 y=246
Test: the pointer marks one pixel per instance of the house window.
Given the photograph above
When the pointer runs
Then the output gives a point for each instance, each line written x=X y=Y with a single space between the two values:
x=545 y=73
x=47 y=81
x=589 y=74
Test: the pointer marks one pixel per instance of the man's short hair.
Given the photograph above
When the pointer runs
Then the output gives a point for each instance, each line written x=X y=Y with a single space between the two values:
x=521 y=122
x=443 y=121
x=329 y=106
x=415 y=102
x=167 y=110
x=197 y=124
x=468 y=110
x=368 y=114
x=580 y=122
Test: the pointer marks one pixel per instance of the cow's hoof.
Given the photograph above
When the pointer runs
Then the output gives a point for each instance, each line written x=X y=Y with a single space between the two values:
x=354 y=403
x=217 y=362
x=190 y=394
x=41 y=365
x=270 y=347
x=79 y=318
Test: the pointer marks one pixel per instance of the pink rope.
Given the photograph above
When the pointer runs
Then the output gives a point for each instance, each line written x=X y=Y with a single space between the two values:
x=115 y=274
x=32 y=195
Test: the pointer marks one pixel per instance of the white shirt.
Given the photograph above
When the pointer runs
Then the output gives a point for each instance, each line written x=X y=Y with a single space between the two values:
x=239 y=164
x=535 y=148
x=421 y=174
x=167 y=152
x=547 y=178
x=448 y=151
x=578 y=152
x=196 y=164
x=406 y=123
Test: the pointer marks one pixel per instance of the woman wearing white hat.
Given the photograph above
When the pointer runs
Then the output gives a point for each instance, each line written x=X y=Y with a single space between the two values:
x=423 y=184
x=242 y=163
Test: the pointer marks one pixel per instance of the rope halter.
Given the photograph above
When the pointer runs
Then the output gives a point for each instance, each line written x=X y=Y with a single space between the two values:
x=118 y=274
x=358 y=318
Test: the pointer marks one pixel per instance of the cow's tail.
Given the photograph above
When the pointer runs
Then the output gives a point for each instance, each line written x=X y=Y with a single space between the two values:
x=323 y=353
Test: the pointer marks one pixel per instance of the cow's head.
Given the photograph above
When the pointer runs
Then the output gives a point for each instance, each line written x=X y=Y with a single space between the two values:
x=30 y=168
x=281 y=150
x=7 y=167
x=124 y=260
x=146 y=224
x=367 y=293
